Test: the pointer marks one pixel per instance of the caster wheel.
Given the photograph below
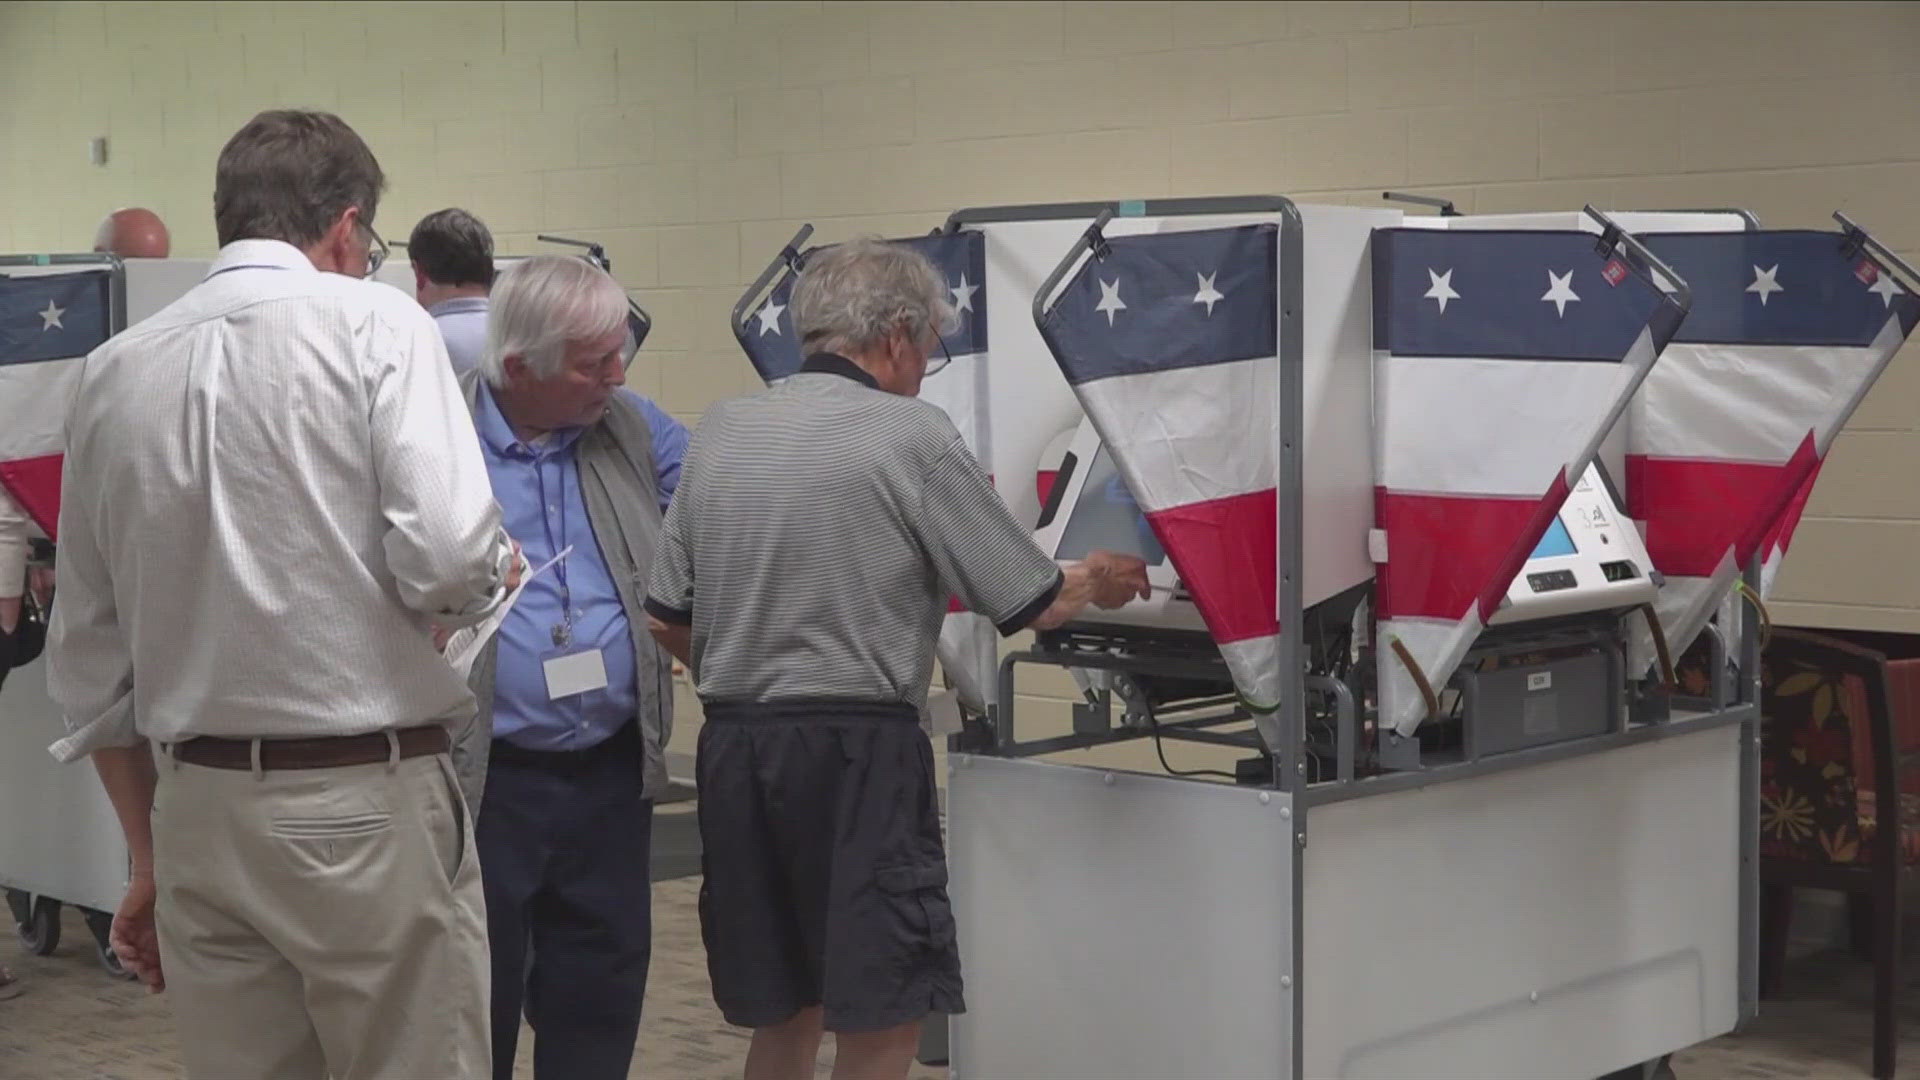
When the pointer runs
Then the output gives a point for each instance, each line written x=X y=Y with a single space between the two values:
x=100 y=924
x=111 y=961
x=41 y=932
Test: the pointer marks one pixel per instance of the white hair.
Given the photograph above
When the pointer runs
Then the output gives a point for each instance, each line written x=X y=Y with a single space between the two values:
x=541 y=303
x=852 y=295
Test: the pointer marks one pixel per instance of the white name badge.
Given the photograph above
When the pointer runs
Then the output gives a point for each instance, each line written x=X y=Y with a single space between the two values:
x=575 y=673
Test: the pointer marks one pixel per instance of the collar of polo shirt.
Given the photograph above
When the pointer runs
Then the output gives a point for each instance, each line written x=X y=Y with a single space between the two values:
x=827 y=363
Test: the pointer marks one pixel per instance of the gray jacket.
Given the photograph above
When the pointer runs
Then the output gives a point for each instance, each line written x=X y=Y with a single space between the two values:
x=620 y=483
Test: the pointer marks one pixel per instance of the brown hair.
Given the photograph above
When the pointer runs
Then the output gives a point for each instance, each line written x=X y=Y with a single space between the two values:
x=452 y=247
x=289 y=175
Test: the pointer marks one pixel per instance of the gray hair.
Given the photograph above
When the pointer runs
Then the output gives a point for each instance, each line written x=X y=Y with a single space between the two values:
x=541 y=303
x=851 y=296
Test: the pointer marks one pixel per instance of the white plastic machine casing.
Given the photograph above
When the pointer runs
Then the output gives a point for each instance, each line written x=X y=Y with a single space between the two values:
x=1577 y=566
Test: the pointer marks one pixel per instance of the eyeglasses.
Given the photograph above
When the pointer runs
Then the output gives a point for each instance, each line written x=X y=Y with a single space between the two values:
x=377 y=250
x=934 y=367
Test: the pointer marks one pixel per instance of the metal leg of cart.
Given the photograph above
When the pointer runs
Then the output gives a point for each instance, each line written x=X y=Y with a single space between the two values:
x=37 y=920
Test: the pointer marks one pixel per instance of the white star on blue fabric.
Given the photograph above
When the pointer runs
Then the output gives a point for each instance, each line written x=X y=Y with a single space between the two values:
x=769 y=317
x=50 y=318
x=1110 y=301
x=1442 y=289
x=963 y=294
x=1560 y=291
x=1764 y=283
x=1888 y=288
x=1207 y=294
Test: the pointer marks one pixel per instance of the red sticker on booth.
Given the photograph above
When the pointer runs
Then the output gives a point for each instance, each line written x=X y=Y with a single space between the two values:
x=1615 y=271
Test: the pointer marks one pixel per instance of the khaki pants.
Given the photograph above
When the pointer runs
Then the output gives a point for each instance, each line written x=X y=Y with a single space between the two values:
x=322 y=922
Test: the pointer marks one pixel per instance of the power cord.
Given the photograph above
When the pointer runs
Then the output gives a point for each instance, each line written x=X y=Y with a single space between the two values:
x=1153 y=722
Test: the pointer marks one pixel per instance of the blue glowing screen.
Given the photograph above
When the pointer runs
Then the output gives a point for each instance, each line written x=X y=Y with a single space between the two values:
x=1555 y=542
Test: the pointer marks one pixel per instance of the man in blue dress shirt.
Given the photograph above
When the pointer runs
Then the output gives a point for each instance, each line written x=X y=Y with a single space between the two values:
x=566 y=757
x=452 y=254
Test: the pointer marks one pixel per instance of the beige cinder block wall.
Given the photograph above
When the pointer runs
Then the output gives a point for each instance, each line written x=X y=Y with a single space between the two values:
x=692 y=138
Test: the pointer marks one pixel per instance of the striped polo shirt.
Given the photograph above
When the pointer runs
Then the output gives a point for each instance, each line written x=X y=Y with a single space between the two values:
x=818 y=530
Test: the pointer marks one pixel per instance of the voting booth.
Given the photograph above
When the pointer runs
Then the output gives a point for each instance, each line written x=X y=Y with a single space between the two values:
x=1429 y=504
x=60 y=843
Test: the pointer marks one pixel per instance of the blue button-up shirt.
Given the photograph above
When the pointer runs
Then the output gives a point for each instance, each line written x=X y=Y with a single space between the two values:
x=463 y=326
x=538 y=488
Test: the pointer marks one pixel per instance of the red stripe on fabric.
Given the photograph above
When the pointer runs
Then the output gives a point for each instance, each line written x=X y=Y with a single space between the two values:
x=1043 y=482
x=1225 y=550
x=1696 y=510
x=1450 y=555
x=34 y=483
x=1780 y=534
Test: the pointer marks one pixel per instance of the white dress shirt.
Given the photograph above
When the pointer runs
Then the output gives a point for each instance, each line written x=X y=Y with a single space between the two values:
x=271 y=487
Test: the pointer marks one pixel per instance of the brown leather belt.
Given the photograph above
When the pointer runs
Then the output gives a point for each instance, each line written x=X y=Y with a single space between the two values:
x=334 y=753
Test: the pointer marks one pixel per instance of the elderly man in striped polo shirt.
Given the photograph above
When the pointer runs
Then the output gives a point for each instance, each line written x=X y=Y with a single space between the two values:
x=803 y=571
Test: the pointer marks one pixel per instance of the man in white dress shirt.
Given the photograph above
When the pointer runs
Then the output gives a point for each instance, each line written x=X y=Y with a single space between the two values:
x=272 y=492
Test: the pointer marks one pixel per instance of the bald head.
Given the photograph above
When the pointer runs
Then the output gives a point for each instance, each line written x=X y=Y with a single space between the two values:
x=133 y=233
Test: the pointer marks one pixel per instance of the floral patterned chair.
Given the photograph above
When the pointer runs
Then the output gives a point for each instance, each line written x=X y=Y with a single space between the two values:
x=1838 y=720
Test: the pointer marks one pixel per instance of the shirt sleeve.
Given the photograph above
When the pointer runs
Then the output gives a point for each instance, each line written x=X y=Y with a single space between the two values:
x=444 y=544
x=982 y=554
x=89 y=665
x=670 y=584
x=669 y=447
x=15 y=530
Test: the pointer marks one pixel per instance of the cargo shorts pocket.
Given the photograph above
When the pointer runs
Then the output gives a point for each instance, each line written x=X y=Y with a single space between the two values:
x=916 y=894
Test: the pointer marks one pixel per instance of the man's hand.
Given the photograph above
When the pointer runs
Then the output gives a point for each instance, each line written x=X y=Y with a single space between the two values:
x=515 y=569
x=133 y=938
x=1102 y=579
x=1117 y=579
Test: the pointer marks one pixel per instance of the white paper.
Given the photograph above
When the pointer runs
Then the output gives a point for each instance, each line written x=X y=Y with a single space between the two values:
x=464 y=645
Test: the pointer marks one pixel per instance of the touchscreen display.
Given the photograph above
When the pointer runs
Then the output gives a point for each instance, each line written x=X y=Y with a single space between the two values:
x=1105 y=518
x=1555 y=542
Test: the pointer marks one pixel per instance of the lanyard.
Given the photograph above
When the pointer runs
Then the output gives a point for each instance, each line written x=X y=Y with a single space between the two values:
x=562 y=630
